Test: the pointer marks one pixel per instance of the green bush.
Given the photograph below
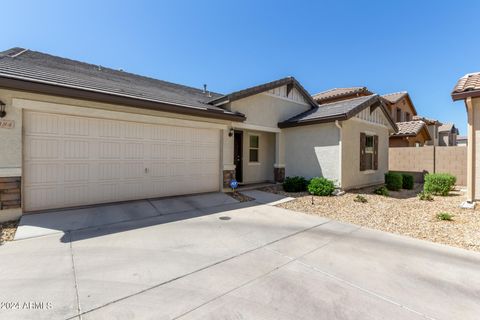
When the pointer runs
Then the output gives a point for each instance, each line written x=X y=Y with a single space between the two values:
x=360 y=198
x=445 y=216
x=295 y=184
x=393 y=181
x=407 y=181
x=321 y=187
x=382 y=191
x=439 y=183
x=425 y=196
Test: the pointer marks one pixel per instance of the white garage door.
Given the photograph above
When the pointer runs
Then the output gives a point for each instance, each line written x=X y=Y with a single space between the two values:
x=71 y=161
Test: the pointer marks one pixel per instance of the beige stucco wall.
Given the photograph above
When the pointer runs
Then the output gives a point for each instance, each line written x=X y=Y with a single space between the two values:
x=267 y=110
x=476 y=147
x=262 y=170
x=312 y=151
x=352 y=177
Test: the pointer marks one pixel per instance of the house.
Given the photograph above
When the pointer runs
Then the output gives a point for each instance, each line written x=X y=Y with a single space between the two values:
x=432 y=126
x=411 y=132
x=77 y=134
x=468 y=89
x=462 y=141
x=447 y=135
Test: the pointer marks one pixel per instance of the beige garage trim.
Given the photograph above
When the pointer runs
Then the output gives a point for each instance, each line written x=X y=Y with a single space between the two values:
x=73 y=160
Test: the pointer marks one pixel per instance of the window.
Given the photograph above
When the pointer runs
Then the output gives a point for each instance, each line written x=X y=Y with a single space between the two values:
x=368 y=152
x=407 y=116
x=253 y=148
x=369 y=148
x=399 y=115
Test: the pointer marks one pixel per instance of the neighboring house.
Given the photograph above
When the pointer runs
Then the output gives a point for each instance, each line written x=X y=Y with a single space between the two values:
x=468 y=89
x=462 y=141
x=432 y=126
x=338 y=94
x=76 y=134
x=410 y=134
x=447 y=135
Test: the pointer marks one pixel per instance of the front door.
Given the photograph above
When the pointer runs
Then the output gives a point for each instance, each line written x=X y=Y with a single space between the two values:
x=238 y=155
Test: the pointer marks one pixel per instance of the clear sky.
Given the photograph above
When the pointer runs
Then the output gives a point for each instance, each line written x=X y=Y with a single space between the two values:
x=419 y=46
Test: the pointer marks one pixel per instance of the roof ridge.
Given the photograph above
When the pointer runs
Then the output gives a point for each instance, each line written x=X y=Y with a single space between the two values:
x=337 y=88
x=392 y=93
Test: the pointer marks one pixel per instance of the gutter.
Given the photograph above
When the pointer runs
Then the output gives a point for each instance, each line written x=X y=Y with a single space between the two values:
x=45 y=87
x=339 y=126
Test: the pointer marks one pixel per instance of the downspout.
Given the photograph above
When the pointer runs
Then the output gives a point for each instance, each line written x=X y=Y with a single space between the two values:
x=339 y=126
x=471 y=141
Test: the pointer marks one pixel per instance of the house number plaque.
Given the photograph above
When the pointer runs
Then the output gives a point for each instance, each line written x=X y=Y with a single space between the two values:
x=7 y=124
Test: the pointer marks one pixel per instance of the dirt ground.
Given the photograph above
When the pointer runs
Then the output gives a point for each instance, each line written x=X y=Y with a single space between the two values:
x=402 y=213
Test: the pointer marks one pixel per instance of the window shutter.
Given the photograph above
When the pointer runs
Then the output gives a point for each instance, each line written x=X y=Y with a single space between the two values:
x=375 y=152
x=363 y=139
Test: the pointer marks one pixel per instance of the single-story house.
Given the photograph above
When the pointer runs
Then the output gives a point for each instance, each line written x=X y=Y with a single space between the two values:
x=462 y=141
x=447 y=135
x=77 y=134
x=468 y=89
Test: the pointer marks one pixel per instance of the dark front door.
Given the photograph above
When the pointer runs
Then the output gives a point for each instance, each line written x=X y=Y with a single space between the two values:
x=238 y=155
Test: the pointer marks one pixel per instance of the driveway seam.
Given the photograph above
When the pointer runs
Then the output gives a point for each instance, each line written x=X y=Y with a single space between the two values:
x=201 y=269
x=77 y=297
x=291 y=260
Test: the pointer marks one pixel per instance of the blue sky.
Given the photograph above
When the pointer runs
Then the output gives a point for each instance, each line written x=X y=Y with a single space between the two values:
x=419 y=46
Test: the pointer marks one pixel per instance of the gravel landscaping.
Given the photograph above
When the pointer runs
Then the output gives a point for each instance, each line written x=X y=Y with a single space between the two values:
x=402 y=213
x=7 y=231
x=240 y=196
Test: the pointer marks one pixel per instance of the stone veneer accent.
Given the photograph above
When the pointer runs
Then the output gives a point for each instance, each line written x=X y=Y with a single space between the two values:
x=228 y=175
x=279 y=174
x=10 y=192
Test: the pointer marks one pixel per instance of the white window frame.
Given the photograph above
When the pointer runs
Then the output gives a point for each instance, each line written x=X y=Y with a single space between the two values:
x=254 y=148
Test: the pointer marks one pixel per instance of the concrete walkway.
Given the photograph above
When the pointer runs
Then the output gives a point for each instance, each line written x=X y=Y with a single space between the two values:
x=237 y=260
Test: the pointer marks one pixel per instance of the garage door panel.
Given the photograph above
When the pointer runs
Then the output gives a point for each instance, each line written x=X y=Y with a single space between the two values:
x=71 y=160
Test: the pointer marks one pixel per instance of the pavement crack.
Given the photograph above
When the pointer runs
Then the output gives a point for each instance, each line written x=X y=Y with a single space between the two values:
x=77 y=297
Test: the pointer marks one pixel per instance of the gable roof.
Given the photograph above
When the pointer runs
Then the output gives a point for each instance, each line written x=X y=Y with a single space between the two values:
x=450 y=127
x=411 y=129
x=397 y=96
x=467 y=86
x=428 y=121
x=289 y=81
x=39 y=72
x=335 y=93
x=340 y=110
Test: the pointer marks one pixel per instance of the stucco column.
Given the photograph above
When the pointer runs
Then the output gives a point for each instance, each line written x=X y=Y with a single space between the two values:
x=279 y=165
x=228 y=168
x=470 y=151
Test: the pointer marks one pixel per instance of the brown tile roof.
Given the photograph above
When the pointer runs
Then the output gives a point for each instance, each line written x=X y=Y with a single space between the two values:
x=467 y=86
x=409 y=128
x=450 y=127
x=427 y=120
x=339 y=92
x=394 y=97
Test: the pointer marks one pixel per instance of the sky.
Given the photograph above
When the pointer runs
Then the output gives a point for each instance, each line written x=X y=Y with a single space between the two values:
x=422 y=47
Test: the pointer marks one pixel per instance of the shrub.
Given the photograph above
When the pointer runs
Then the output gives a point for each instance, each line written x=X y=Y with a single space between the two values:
x=321 y=187
x=407 y=181
x=425 y=196
x=439 y=183
x=445 y=216
x=393 y=181
x=382 y=191
x=360 y=198
x=295 y=184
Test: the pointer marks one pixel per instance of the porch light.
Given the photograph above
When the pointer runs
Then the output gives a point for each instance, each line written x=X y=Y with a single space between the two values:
x=3 y=113
x=230 y=133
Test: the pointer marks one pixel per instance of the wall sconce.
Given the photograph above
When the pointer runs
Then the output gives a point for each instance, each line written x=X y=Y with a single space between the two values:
x=3 y=113
x=230 y=133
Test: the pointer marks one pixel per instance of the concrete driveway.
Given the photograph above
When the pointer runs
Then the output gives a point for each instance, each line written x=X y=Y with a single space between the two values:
x=233 y=261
